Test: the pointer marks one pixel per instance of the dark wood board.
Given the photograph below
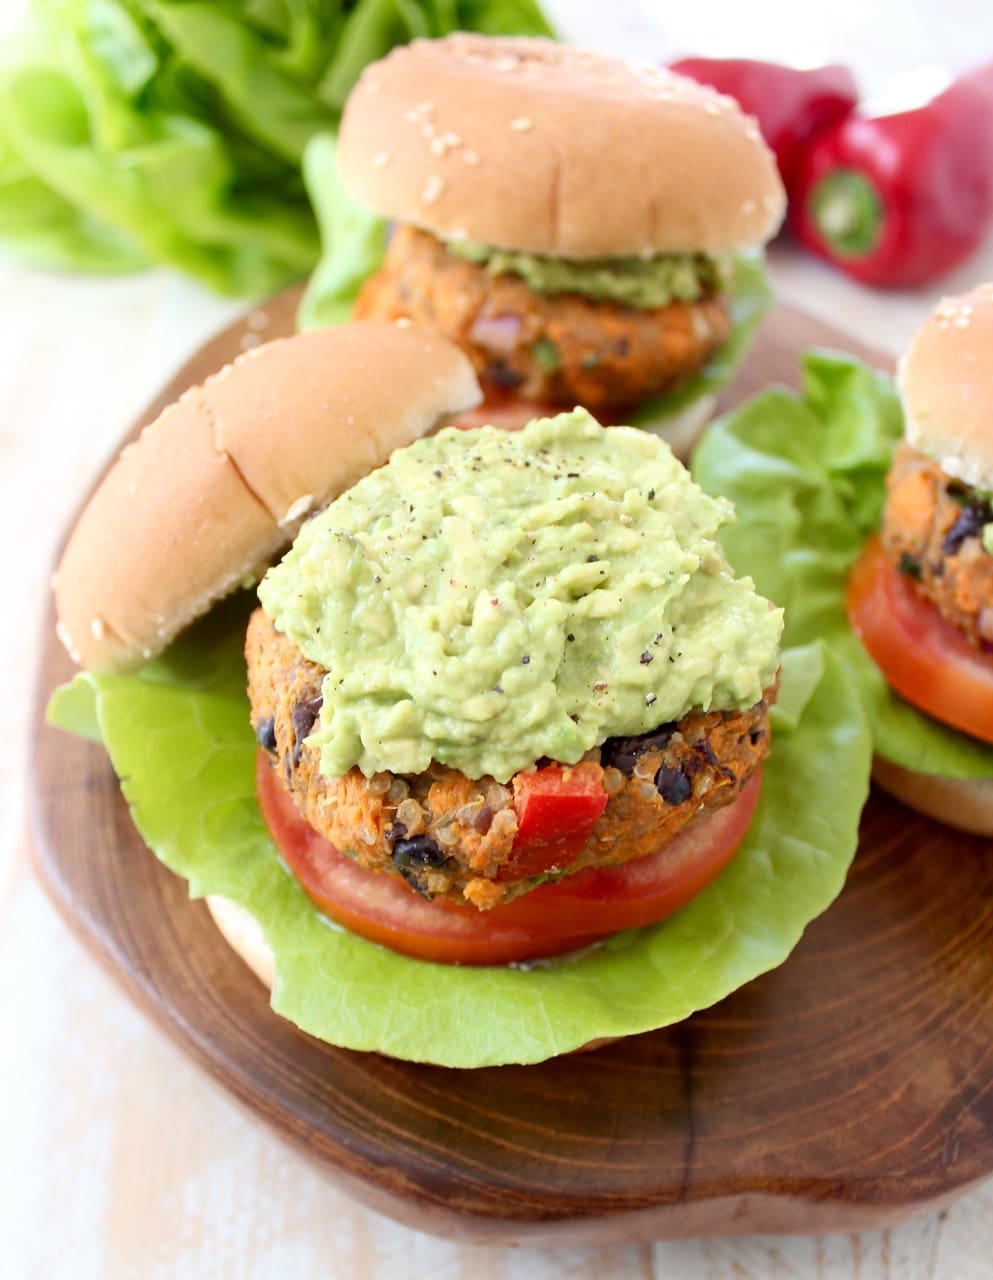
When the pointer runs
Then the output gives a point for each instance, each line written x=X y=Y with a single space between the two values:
x=848 y=1089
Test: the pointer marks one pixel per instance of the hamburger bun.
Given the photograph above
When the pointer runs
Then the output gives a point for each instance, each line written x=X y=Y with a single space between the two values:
x=243 y=933
x=212 y=490
x=963 y=803
x=946 y=380
x=531 y=145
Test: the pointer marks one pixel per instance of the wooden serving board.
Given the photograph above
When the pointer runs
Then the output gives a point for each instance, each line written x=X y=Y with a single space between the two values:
x=848 y=1089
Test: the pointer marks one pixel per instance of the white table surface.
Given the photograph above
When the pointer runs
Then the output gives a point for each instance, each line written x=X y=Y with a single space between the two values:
x=118 y=1158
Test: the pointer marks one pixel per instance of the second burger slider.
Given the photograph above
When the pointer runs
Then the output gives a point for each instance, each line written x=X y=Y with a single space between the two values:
x=569 y=219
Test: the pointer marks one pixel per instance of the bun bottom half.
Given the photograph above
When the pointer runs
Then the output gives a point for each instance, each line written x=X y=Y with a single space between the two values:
x=243 y=933
x=963 y=803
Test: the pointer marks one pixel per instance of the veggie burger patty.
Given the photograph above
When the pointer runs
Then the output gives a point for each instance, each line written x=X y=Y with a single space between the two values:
x=452 y=836
x=939 y=531
x=558 y=347
x=568 y=218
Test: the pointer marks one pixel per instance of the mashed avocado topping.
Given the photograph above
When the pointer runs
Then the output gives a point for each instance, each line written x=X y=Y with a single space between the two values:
x=636 y=282
x=489 y=598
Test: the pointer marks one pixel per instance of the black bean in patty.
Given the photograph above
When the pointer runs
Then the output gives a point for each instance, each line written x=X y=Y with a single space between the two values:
x=624 y=753
x=302 y=719
x=970 y=524
x=673 y=785
x=265 y=734
x=417 y=853
x=501 y=375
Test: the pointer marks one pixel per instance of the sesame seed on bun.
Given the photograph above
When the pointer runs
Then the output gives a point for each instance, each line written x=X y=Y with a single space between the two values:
x=531 y=145
x=946 y=380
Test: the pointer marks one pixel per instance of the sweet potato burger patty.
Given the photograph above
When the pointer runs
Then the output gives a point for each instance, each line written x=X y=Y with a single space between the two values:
x=932 y=532
x=450 y=836
x=560 y=349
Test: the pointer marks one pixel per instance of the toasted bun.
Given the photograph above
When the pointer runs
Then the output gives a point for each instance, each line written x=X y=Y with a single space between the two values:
x=946 y=379
x=964 y=803
x=532 y=145
x=210 y=492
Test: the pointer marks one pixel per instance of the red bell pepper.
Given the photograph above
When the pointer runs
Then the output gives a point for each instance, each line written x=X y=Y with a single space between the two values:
x=791 y=106
x=557 y=808
x=898 y=200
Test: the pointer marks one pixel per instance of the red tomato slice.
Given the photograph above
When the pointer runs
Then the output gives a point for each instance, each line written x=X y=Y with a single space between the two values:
x=550 y=920
x=926 y=659
x=508 y=412
x=557 y=808
x=513 y=412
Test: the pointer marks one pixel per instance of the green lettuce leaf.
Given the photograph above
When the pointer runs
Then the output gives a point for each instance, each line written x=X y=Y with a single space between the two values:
x=806 y=474
x=179 y=736
x=250 y=243
x=354 y=240
x=243 y=66
x=73 y=707
x=135 y=132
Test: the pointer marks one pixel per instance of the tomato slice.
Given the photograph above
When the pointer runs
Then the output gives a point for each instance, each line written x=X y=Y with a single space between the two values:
x=511 y=413
x=550 y=920
x=926 y=659
x=557 y=808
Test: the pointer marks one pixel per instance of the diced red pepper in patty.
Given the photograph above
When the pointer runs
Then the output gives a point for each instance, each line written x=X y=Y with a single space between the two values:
x=557 y=808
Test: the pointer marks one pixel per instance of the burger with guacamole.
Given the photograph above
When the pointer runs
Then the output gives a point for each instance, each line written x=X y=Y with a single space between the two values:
x=576 y=223
x=508 y=707
x=920 y=597
x=865 y=508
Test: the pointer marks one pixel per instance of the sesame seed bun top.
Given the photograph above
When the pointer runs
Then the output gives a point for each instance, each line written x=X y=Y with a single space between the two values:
x=946 y=380
x=213 y=490
x=537 y=146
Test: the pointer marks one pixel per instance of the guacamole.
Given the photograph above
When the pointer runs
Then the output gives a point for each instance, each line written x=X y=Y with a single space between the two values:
x=635 y=282
x=489 y=598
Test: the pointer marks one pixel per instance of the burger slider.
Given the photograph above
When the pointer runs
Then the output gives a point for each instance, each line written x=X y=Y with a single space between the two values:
x=502 y=699
x=921 y=595
x=568 y=218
